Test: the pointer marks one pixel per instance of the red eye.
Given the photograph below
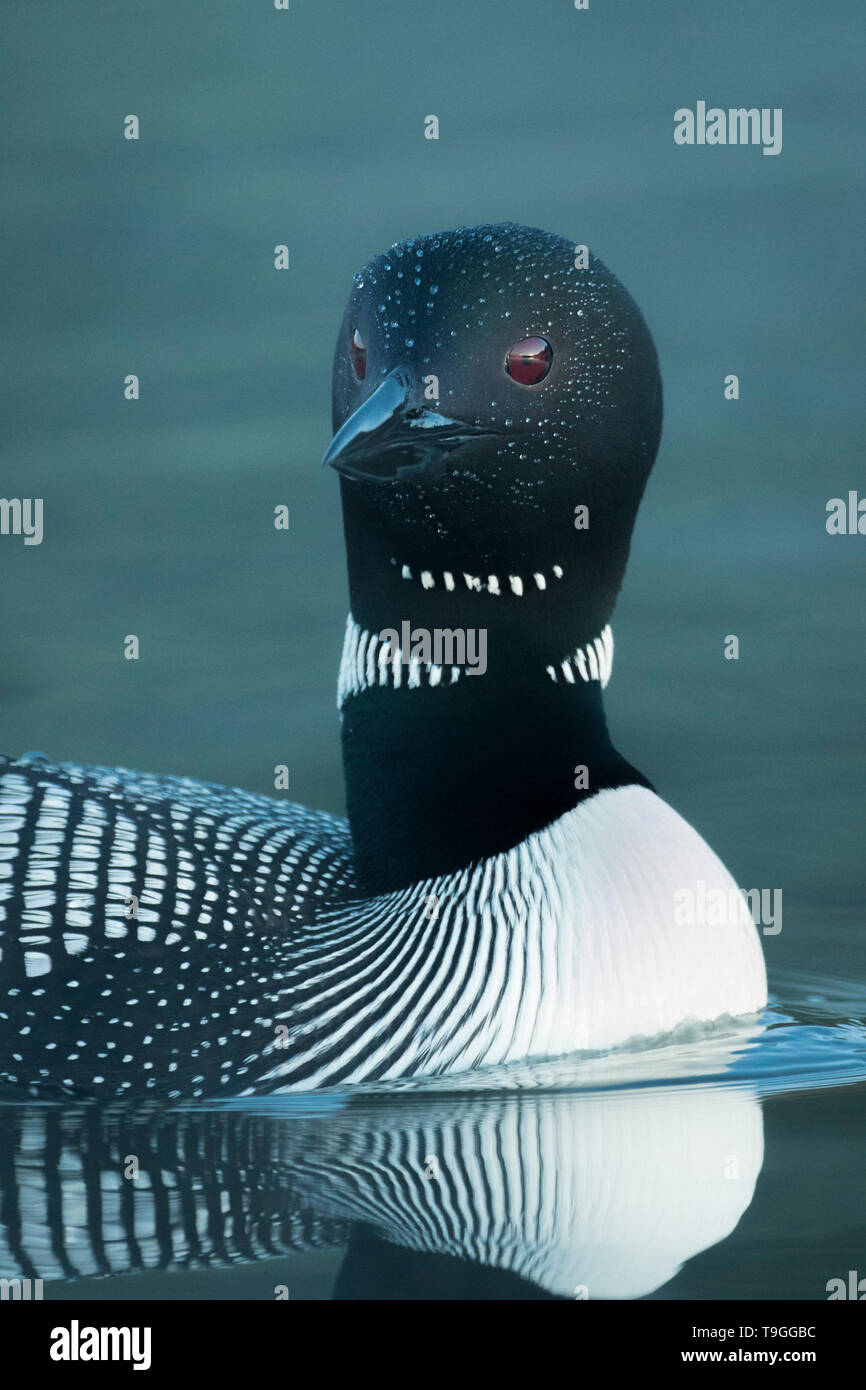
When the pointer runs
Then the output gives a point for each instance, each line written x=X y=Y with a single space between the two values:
x=358 y=354
x=529 y=361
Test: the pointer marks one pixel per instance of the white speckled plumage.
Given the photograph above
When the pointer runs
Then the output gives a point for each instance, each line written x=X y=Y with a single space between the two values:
x=566 y=942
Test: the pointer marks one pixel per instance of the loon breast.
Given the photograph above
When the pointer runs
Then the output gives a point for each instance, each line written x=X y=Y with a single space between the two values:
x=574 y=940
x=645 y=958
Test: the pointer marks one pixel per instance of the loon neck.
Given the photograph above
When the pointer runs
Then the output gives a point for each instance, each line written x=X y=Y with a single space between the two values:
x=444 y=767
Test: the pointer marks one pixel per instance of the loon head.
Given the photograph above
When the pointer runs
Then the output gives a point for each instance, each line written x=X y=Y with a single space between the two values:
x=497 y=410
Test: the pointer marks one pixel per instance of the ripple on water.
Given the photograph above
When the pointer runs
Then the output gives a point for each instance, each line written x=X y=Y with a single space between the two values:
x=812 y=1035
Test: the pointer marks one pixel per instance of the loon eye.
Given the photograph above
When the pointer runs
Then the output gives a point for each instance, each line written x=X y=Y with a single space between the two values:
x=529 y=361
x=358 y=354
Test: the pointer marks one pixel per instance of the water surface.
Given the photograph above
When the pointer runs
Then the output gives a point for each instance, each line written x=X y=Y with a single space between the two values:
x=720 y=1166
x=306 y=127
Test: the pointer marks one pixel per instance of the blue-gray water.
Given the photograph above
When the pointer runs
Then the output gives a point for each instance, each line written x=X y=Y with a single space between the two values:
x=156 y=257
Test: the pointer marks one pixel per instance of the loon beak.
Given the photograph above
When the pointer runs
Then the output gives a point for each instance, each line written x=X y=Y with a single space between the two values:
x=391 y=436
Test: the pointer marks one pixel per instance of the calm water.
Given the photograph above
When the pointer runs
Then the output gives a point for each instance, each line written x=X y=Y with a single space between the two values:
x=719 y=1167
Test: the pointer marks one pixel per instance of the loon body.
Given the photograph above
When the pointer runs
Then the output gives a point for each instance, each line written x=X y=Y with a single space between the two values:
x=505 y=886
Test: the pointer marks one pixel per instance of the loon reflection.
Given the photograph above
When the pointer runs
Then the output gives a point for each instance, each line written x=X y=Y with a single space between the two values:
x=600 y=1195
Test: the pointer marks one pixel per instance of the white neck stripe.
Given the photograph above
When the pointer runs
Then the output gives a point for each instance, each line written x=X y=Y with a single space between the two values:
x=367 y=662
x=593 y=662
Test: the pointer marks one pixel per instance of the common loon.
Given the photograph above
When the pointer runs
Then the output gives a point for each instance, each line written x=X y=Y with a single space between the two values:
x=505 y=886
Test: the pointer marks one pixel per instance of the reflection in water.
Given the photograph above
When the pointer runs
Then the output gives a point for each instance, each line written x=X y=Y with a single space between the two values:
x=581 y=1194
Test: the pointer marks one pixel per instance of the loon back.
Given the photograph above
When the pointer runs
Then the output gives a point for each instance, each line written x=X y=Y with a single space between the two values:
x=145 y=926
